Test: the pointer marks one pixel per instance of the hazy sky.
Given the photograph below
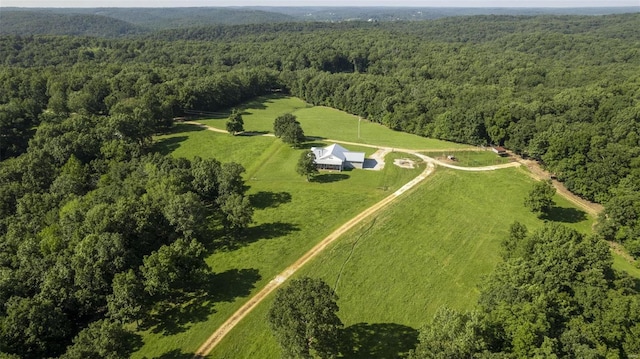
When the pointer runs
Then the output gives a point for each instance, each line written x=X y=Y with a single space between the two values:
x=411 y=3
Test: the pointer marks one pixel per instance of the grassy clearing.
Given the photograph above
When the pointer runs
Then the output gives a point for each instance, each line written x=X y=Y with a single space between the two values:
x=325 y=122
x=469 y=158
x=258 y=115
x=622 y=264
x=331 y=123
x=189 y=141
x=291 y=216
x=429 y=249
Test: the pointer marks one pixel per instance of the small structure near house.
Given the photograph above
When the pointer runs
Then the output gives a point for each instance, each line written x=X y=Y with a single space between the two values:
x=336 y=157
x=501 y=151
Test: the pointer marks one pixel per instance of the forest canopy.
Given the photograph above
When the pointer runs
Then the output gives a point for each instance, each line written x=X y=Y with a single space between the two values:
x=81 y=187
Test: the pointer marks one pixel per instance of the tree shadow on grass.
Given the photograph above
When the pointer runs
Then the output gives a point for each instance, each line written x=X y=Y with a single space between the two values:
x=174 y=354
x=167 y=145
x=330 y=177
x=234 y=283
x=185 y=127
x=178 y=314
x=259 y=103
x=132 y=341
x=380 y=340
x=270 y=230
x=256 y=233
x=254 y=105
x=566 y=215
x=264 y=199
x=253 y=133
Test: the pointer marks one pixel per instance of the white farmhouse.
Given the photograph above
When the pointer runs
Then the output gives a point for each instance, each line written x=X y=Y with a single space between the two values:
x=336 y=157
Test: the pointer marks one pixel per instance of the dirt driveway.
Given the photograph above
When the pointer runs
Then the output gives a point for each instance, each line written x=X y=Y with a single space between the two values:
x=535 y=171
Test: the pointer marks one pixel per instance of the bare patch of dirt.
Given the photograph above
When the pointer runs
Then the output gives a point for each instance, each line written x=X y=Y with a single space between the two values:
x=404 y=163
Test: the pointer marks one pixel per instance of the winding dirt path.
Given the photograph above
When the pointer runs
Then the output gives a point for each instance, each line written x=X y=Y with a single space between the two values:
x=253 y=302
x=220 y=333
x=537 y=172
x=206 y=127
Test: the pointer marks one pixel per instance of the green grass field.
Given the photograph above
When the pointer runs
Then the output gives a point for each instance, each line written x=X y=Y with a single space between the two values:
x=623 y=264
x=429 y=249
x=291 y=216
x=324 y=122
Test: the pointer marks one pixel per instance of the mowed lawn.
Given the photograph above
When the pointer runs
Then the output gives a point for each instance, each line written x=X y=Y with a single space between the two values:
x=430 y=248
x=325 y=122
x=291 y=216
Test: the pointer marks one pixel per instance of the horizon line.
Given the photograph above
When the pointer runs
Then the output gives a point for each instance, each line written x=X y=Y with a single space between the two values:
x=324 y=6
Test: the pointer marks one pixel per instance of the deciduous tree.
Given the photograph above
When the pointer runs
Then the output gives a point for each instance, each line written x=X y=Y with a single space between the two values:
x=306 y=165
x=450 y=335
x=126 y=301
x=102 y=339
x=304 y=320
x=288 y=129
x=540 y=198
x=174 y=268
x=235 y=124
x=237 y=212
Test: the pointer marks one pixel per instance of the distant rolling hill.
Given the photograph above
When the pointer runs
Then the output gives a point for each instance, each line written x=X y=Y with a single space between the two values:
x=171 y=18
x=111 y=22
x=38 y=23
x=373 y=13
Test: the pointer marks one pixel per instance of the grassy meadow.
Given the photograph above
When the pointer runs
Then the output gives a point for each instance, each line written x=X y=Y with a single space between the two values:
x=325 y=122
x=430 y=248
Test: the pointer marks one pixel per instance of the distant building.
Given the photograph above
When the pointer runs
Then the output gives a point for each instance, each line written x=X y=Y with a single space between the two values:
x=501 y=151
x=336 y=157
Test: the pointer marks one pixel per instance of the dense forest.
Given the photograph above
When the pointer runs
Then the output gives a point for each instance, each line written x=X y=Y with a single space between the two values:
x=97 y=230
x=115 y=22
